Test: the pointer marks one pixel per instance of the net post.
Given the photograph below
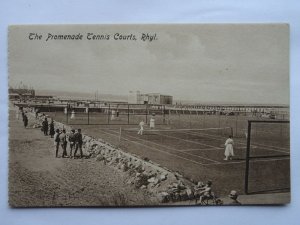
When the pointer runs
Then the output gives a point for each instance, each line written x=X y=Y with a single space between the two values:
x=164 y=115
x=108 y=113
x=88 y=112
x=247 y=158
x=128 y=113
x=236 y=124
x=231 y=131
x=146 y=113
x=67 y=116
x=120 y=135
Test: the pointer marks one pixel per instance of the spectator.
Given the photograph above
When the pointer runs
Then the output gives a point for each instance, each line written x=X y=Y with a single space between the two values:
x=56 y=142
x=205 y=192
x=51 y=131
x=25 y=120
x=63 y=143
x=45 y=126
x=78 y=143
x=72 y=141
x=233 y=198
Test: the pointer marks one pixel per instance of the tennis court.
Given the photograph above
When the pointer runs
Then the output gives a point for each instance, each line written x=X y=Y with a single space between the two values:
x=198 y=154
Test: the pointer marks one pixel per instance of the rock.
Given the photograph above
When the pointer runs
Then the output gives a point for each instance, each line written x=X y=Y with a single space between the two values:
x=181 y=186
x=164 y=197
x=162 y=177
x=183 y=195
x=141 y=180
x=189 y=192
x=99 y=158
x=124 y=168
x=177 y=175
x=108 y=159
x=153 y=180
x=143 y=187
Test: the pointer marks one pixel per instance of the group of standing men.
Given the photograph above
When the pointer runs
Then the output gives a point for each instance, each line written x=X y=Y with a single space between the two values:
x=61 y=139
x=74 y=138
x=24 y=116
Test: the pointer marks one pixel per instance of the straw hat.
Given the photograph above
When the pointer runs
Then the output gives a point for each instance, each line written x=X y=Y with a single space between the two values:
x=233 y=193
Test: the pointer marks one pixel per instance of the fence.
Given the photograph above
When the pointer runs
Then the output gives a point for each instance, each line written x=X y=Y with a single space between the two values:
x=200 y=120
x=115 y=114
x=267 y=156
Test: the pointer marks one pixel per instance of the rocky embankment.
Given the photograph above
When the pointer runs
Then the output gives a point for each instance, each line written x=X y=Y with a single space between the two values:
x=166 y=185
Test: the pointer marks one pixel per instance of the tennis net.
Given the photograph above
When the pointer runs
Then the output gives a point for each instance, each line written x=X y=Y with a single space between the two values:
x=189 y=134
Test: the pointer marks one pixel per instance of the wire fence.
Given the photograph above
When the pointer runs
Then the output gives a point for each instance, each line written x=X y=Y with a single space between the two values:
x=267 y=156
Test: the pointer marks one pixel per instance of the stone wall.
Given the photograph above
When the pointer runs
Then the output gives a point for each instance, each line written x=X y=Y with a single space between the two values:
x=164 y=184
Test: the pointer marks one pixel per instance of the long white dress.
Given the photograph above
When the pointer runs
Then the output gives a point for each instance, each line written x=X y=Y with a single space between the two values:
x=113 y=112
x=152 y=123
x=73 y=114
x=229 y=147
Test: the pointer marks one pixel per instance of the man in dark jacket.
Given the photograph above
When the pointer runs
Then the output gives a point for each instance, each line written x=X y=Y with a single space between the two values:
x=25 y=120
x=51 y=130
x=78 y=143
x=56 y=142
x=72 y=141
x=63 y=142
x=45 y=126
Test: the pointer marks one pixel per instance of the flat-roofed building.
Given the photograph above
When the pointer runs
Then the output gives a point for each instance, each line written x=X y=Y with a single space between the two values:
x=150 y=98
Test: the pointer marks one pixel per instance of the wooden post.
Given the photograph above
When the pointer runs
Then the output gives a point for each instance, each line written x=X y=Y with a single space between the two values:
x=120 y=135
x=88 y=115
x=247 y=158
x=146 y=113
x=108 y=113
x=128 y=113
x=67 y=113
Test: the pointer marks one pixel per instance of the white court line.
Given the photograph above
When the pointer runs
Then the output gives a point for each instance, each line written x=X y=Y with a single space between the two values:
x=200 y=149
x=268 y=147
x=202 y=164
x=243 y=161
x=172 y=149
x=195 y=142
x=271 y=147
x=168 y=153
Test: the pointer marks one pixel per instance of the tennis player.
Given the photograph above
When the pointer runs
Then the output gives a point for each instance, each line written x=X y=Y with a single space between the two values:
x=229 y=148
x=141 y=124
x=152 y=122
x=113 y=112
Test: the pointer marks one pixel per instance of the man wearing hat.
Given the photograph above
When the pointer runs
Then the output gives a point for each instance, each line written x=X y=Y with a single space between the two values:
x=72 y=141
x=78 y=143
x=56 y=142
x=233 y=198
x=63 y=142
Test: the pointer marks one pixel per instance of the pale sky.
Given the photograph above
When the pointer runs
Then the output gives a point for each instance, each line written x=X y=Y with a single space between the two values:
x=206 y=63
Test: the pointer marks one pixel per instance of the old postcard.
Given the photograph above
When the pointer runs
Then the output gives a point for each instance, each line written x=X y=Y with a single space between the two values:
x=148 y=115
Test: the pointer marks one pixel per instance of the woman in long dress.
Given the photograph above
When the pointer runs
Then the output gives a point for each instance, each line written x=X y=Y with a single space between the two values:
x=229 y=148
x=152 y=122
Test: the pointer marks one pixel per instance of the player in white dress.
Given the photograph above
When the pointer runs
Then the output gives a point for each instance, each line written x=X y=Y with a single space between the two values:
x=229 y=148
x=141 y=124
x=73 y=114
x=113 y=112
x=152 y=122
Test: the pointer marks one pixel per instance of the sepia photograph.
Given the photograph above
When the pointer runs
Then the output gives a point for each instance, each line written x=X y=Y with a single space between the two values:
x=148 y=115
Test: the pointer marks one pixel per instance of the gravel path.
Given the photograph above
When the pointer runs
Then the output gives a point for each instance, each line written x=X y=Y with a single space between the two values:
x=38 y=179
